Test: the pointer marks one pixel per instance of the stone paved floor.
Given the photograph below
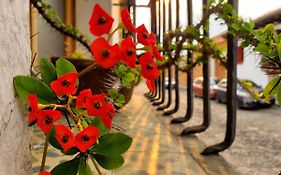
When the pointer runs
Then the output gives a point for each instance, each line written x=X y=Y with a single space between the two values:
x=156 y=149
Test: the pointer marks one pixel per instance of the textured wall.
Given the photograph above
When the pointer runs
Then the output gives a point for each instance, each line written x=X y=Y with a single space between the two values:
x=15 y=157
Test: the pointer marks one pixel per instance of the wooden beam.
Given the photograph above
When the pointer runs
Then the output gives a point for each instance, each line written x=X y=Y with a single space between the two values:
x=69 y=19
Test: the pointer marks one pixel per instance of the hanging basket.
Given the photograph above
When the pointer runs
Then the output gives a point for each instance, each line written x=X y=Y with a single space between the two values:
x=99 y=80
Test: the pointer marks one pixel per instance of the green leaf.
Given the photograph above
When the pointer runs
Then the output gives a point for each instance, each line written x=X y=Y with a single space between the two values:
x=227 y=9
x=249 y=25
x=112 y=144
x=25 y=85
x=96 y=121
x=121 y=99
x=130 y=76
x=109 y=163
x=121 y=70
x=235 y=26
x=63 y=66
x=279 y=50
x=272 y=87
x=113 y=93
x=260 y=36
x=278 y=97
x=262 y=48
x=84 y=168
x=47 y=70
x=245 y=43
x=67 y=168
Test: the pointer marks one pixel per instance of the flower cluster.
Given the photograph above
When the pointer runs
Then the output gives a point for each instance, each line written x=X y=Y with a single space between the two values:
x=95 y=106
x=107 y=55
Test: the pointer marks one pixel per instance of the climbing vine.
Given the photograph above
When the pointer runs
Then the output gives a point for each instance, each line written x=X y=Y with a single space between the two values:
x=265 y=41
x=51 y=17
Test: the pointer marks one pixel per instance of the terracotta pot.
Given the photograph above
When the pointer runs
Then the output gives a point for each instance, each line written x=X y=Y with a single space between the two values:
x=127 y=92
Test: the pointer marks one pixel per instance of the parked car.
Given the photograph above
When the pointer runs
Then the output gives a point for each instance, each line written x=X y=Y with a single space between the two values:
x=244 y=99
x=198 y=87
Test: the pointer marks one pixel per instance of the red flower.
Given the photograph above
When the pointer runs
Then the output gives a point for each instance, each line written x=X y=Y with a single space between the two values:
x=105 y=54
x=108 y=114
x=33 y=108
x=44 y=173
x=47 y=118
x=81 y=98
x=94 y=104
x=149 y=68
x=127 y=21
x=86 y=138
x=128 y=49
x=65 y=84
x=152 y=38
x=65 y=137
x=143 y=35
x=100 y=22
x=156 y=53
x=150 y=84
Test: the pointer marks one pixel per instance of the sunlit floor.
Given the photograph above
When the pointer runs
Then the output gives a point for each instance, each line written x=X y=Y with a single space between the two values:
x=156 y=149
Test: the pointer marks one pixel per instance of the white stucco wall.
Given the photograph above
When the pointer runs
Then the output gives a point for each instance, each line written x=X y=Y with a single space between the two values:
x=15 y=156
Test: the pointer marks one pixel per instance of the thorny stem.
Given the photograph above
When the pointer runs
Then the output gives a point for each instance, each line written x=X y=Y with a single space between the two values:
x=115 y=30
x=87 y=69
x=96 y=166
x=45 y=151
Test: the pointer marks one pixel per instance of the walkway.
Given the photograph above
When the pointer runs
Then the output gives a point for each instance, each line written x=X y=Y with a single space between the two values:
x=157 y=148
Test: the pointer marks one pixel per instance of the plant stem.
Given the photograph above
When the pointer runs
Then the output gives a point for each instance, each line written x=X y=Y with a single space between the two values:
x=87 y=69
x=45 y=151
x=96 y=166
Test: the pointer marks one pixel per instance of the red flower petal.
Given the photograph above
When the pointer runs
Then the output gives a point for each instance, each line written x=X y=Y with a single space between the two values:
x=143 y=35
x=65 y=84
x=108 y=114
x=152 y=38
x=127 y=21
x=156 y=53
x=65 y=137
x=44 y=173
x=86 y=138
x=100 y=22
x=33 y=108
x=149 y=68
x=81 y=98
x=47 y=118
x=150 y=84
x=94 y=104
x=104 y=54
x=128 y=49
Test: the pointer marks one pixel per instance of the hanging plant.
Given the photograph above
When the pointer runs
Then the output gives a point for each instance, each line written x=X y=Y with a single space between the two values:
x=57 y=98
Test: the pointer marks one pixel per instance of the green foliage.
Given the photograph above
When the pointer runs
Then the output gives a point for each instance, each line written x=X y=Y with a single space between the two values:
x=127 y=75
x=272 y=87
x=25 y=86
x=63 y=66
x=84 y=168
x=47 y=71
x=68 y=168
x=96 y=121
x=108 y=152
x=118 y=98
x=108 y=163
x=112 y=144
